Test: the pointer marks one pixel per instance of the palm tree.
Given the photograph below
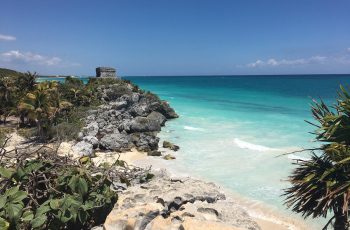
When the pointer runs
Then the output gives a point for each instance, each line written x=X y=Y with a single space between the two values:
x=59 y=104
x=27 y=81
x=321 y=185
x=75 y=92
x=6 y=88
x=38 y=109
x=43 y=105
x=7 y=97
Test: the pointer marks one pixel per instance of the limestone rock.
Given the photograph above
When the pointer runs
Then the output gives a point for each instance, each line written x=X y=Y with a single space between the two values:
x=167 y=111
x=171 y=146
x=128 y=118
x=119 y=105
x=158 y=117
x=83 y=148
x=166 y=204
x=154 y=153
x=66 y=149
x=143 y=124
x=169 y=157
x=115 y=141
x=92 y=140
x=145 y=141
x=91 y=129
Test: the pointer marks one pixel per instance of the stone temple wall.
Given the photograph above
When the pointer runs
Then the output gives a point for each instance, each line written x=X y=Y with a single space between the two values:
x=106 y=72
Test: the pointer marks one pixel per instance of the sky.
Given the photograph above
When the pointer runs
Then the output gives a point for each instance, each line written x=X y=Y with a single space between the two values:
x=176 y=37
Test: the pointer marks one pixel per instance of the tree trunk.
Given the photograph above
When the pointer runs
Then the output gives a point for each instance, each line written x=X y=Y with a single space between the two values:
x=22 y=119
x=40 y=130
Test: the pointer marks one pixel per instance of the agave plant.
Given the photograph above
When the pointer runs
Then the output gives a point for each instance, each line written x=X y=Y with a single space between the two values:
x=321 y=185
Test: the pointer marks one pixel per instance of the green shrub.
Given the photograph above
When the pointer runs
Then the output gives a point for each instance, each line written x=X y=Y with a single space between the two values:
x=54 y=193
x=65 y=131
x=27 y=132
x=151 y=96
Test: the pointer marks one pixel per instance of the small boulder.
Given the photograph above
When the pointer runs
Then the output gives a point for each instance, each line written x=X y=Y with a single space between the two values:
x=91 y=129
x=83 y=148
x=169 y=145
x=119 y=105
x=154 y=153
x=143 y=124
x=92 y=140
x=80 y=136
x=135 y=97
x=145 y=141
x=157 y=117
x=115 y=141
x=140 y=109
x=169 y=157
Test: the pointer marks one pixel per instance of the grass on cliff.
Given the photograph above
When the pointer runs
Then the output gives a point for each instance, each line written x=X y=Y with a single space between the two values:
x=9 y=72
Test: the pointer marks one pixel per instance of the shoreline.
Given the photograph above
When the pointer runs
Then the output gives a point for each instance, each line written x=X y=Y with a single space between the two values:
x=266 y=217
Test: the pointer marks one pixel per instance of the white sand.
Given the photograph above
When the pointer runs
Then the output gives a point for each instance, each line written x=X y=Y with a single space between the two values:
x=266 y=217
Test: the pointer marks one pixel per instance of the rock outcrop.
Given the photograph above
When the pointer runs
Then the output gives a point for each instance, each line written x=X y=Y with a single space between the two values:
x=129 y=118
x=177 y=203
x=171 y=146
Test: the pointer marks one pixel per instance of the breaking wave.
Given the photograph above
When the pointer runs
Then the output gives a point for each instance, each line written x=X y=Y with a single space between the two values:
x=251 y=146
x=193 y=128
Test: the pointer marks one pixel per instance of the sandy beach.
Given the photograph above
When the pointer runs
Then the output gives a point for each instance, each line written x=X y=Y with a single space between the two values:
x=266 y=218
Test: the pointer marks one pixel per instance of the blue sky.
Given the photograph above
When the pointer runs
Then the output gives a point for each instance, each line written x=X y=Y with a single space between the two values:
x=176 y=37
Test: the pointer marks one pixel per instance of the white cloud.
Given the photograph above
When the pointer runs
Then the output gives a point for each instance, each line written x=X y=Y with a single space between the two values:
x=348 y=49
x=290 y=62
x=255 y=64
x=28 y=57
x=4 y=37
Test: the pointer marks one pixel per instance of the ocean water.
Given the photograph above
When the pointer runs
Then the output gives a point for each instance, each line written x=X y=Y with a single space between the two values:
x=233 y=129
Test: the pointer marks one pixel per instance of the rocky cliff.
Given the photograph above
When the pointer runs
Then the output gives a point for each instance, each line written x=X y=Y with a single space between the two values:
x=129 y=118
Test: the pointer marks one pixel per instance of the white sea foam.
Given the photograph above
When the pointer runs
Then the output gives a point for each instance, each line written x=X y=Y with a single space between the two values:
x=247 y=145
x=193 y=128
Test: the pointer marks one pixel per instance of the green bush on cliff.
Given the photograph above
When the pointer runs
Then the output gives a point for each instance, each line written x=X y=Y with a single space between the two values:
x=67 y=127
x=51 y=192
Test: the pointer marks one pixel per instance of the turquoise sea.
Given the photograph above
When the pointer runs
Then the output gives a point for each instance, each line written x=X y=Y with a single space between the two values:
x=232 y=129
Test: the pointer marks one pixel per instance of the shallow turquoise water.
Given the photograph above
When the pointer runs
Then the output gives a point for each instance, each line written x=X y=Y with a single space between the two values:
x=232 y=128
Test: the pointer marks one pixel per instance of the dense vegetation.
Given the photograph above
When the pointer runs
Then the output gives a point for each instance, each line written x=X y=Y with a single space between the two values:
x=321 y=185
x=9 y=72
x=41 y=190
x=53 y=109
x=38 y=188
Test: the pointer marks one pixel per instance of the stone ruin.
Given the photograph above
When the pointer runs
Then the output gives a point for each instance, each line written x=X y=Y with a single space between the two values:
x=106 y=72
